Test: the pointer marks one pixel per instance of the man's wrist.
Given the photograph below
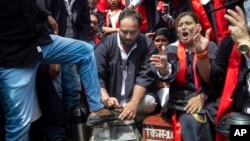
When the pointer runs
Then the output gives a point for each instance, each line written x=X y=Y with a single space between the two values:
x=203 y=97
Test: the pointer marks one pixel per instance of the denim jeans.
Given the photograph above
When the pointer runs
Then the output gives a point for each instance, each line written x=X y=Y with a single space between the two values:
x=17 y=85
x=68 y=87
x=191 y=130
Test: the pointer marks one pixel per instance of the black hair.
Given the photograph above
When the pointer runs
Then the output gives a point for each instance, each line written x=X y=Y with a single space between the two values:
x=95 y=14
x=165 y=32
x=127 y=12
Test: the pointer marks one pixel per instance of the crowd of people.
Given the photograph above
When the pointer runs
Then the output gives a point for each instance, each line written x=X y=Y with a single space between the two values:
x=123 y=60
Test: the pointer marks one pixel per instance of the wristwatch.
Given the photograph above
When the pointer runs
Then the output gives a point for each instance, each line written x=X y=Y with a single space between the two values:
x=244 y=47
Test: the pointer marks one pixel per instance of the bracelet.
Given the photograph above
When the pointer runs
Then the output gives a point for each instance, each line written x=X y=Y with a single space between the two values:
x=203 y=54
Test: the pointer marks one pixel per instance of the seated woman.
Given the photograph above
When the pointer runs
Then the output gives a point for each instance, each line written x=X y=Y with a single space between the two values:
x=185 y=66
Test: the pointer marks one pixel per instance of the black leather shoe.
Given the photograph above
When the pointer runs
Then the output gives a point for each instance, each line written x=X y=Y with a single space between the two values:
x=94 y=120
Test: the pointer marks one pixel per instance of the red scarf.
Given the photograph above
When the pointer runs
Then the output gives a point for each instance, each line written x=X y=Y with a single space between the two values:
x=96 y=40
x=180 y=78
x=181 y=75
x=229 y=86
x=221 y=23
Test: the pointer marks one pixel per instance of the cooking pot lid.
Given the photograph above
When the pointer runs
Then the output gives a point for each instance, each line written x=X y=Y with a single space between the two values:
x=239 y=116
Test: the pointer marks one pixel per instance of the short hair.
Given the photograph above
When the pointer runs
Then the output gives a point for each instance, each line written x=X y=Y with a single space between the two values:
x=165 y=32
x=127 y=12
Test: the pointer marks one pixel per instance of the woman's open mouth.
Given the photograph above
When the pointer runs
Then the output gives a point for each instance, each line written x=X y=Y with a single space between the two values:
x=184 y=35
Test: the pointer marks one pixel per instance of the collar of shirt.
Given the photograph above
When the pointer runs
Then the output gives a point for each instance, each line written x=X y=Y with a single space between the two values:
x=124 y=55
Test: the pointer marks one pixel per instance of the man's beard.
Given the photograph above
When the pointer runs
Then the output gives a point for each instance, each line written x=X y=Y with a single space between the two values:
x=126 y=43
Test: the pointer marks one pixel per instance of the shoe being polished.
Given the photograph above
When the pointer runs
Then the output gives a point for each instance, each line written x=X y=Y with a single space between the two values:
x=101 y=116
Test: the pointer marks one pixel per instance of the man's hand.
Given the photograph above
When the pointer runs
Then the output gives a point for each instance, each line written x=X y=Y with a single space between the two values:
x=53 y=24
x=54 y=70
x=110 y=102
x=195 y=104
x=238 y=26
x=129 y=111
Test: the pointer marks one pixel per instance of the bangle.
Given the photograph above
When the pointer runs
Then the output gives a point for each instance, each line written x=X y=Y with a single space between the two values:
x=203 y=54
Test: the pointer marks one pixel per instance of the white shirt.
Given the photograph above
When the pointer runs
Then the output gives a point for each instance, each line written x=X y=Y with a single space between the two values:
x=124 y=56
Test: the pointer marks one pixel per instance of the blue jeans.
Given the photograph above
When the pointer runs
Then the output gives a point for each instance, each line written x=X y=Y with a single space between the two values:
x=191 y=130
x=68 y=87
x=17 y=85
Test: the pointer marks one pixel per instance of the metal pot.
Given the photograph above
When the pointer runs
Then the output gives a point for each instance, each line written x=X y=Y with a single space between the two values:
x=233 y=118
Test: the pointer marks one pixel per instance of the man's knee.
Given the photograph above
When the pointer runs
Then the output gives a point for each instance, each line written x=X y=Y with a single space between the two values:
x=148 y=103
